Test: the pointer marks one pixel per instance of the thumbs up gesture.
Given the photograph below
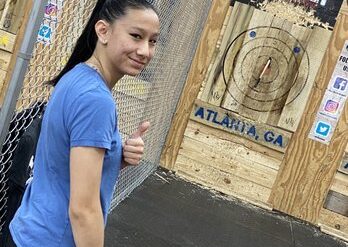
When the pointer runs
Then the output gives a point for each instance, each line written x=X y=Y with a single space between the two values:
x=133 y=148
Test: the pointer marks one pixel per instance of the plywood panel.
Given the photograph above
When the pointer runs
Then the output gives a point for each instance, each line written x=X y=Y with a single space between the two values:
x=5 y=58
x=340 y=184
x=199 y=65
x=245 y=149
x=238 y=22
x=221 y=181
x=333 y=224
x=228 y=159
x=309 y=166
x=219 y=118
x=7 y=41
x=292 y=111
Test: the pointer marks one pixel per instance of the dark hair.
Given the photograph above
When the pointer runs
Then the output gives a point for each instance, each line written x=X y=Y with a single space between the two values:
x=108 y=10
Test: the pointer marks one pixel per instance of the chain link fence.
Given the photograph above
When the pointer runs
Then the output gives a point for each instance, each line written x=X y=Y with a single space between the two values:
x=152 y=95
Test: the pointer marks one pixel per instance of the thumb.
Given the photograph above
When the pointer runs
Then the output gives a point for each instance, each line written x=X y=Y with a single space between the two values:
x=142 y=128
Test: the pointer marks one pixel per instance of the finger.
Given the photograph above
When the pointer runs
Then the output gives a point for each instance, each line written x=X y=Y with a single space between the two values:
x=135 y=142
x=133 y=149
x=130 y=155
x=132 y=162
x=142 y=128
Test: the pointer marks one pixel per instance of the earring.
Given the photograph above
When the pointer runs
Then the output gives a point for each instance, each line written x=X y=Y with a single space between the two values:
x=105 y=41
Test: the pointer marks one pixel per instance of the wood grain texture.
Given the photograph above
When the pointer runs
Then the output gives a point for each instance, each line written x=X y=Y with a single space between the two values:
x=344 y=8
x=333 y=224
x=232 y=123
x=17 y=42
x=196 y=75
x=207 y=158
x=292 y=111
x=7 y=41
x=5 y=58
x=309 y=166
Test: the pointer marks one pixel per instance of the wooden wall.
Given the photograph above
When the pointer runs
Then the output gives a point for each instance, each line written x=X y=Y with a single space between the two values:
x=13 y=17
x=220 y=139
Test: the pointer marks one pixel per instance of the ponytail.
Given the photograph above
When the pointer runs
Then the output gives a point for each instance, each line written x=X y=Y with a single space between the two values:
x=84 y=46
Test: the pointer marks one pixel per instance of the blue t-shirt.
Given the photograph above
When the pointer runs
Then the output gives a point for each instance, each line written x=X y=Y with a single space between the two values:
x=80 y=112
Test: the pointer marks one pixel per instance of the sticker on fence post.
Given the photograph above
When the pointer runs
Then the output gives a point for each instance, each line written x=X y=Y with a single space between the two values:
x=50 y=21
x=333 y=101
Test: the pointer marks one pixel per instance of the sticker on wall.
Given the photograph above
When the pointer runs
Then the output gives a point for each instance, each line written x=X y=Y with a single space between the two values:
x=332 y=105
x=333 y=101
x=339 y=85
x=4 y=40
x=322 y=129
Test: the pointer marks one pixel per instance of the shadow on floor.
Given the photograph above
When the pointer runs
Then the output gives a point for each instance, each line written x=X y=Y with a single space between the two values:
x=166 y=211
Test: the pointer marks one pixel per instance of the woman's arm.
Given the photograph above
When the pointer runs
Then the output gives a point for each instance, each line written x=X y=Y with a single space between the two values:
x=85 y=210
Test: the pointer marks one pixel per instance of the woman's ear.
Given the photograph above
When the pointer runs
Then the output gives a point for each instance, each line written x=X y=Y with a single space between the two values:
x=102 y=28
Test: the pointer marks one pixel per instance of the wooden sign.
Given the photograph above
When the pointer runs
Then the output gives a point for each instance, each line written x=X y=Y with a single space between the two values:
x=235 y=124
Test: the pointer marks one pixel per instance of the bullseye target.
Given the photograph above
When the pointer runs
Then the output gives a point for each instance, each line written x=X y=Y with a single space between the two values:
x=264 y=69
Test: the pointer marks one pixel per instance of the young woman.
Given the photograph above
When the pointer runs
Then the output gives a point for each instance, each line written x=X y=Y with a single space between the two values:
x=79 y=152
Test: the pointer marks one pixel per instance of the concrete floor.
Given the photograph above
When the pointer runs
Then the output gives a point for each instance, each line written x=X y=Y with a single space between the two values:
x=178 y=213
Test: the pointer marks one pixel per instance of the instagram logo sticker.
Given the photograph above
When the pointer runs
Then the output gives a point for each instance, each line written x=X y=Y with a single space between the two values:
x=51 y=11
x=331 y=106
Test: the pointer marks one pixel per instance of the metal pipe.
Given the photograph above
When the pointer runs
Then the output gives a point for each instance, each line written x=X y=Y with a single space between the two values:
x=21 y=66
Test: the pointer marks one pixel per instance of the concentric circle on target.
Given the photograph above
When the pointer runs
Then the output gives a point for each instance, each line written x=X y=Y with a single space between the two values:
x=265 y=68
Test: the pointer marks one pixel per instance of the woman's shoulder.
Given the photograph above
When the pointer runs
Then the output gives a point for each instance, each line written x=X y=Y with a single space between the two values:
x=83 y=79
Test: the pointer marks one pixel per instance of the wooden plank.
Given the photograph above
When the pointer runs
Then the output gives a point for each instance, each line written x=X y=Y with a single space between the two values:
x=229 y=159
x=241 y=20
x=221 y=181
x=219 y=118
x=309 y=166
x=233 y=97
x=7 y=41
x=293 y=78
x=254 y=95
x=344 y=8
x=258 y=153
x=5 y=58
x=337 y=202
x=238 y=21
x=14 y=46
x=2 y=78
x=292 y=111
x=242 y=149
x=200 y=63
x=223 y=33
x=340 y=184
x=16 y=14
x=6 y=8
x=333 y=224
x=344 y=163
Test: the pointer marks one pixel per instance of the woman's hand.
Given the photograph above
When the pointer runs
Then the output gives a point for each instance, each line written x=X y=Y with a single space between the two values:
x=133 y=148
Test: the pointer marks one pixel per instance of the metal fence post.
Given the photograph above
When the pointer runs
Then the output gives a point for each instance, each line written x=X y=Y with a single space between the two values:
x=22 y=61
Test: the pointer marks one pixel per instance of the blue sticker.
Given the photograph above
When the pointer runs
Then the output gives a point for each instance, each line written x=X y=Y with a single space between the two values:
x=45 y=33
x=252 y=34
x=323 y=129
x=340 y=84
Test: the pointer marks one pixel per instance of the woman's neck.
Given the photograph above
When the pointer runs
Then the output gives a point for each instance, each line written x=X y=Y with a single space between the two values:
x=97 y=64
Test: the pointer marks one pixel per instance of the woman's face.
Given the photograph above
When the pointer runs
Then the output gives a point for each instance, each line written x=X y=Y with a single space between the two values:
x=132 y=41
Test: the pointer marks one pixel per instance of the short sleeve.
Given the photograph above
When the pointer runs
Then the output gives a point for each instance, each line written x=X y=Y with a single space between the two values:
x=91 y=120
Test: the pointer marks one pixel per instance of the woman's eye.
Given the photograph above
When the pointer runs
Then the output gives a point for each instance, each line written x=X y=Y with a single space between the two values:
x=136 y=36
x=153 y=41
